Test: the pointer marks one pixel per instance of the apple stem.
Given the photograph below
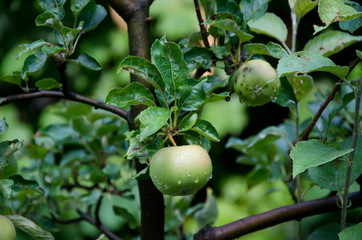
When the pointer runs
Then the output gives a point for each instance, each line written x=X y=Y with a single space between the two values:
x=169 y=134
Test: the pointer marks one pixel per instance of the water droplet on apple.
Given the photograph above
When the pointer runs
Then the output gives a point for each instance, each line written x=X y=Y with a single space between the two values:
x=188 y=173
x=196 y=180
x=179 y=181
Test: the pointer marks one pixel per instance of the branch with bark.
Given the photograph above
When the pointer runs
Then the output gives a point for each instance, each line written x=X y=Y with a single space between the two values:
x=276 y=216
x=69 y=96
x=330 y=97
x=135 y=13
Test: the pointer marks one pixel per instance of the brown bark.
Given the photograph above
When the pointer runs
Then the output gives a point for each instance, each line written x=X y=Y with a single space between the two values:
x=135 y=13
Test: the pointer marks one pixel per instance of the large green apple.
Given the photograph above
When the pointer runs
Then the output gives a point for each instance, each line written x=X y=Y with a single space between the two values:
x=7 y=229
x=181 y=170
x=256 y=83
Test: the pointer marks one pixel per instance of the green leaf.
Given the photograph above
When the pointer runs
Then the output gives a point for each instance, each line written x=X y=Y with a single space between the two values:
x=334 y=10
x=188 y=121
x=219 y=51
x=198 y=57
x=312 y=153
x=143 y=174
x=195 y=138
x=6 y=187
x=132 y=94
x=228 y=21
x=143 y=69
x=13 y=79
x=30 y=227
x=271 y=49
x=196 y=98
x=92 y=14
x=168 y=58
x=325 y=232
x=111 y=170
x=72 y=156
x=286 y=97
x=305 y=62
x=47 y=83
x=301 y=84
x=152 y=119
x=229 y=6
x=3 y=126
x=270 y=25
x=31 y=46
x=359 y=54
x=77 y=5
x=208 y=214
x=141 y=149
x=102 y=237
x=302 y=7
x=206 y=129
x=69 y=35
x=214 y=97
x=354 y=232
x=253 y=9
x=354 y=24
x=331 y=42
x=22 y=184
x=51 y=49
x=87 y=61
x=33 y=63
x=209 y=7
x=53 y=6
x=128 y=209
x=212 y=83
x=50 y=20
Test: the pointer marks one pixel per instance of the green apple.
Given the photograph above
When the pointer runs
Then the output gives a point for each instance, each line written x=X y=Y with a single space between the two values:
x=7 y=229
x=256 y=83
x=181 y=170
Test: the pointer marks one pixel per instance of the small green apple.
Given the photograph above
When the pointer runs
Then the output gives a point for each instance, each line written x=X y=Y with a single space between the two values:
x=256 y=83
x=181 y=170
x=7 y=229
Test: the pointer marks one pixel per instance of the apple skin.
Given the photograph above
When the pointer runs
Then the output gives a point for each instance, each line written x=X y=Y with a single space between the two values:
x=254 y=85
x=7 y=229
x=181 y=170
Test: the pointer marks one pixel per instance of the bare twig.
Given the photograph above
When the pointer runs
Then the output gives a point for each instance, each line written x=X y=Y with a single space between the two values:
x=87 y=216
x=202 y=26
x=326 y=102
x=70 y=96
x=66 y=221
x=271 y=218
x=351 y=157
x=61 y=66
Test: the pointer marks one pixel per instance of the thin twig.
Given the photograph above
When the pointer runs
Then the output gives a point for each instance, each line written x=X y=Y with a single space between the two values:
x=66 y=221
x=98 y=207
x=61 y=66
x=311 y=125
x=87 y=216
x=70 y=96
x=202 y=26
x=351 y=157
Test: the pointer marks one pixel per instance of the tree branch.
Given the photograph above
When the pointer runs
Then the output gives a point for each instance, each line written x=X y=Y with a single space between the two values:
x=87 y=216
x=136 y=15
x=276 y=216
x=69 y=95
x=311 y=125
x=202 y=26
